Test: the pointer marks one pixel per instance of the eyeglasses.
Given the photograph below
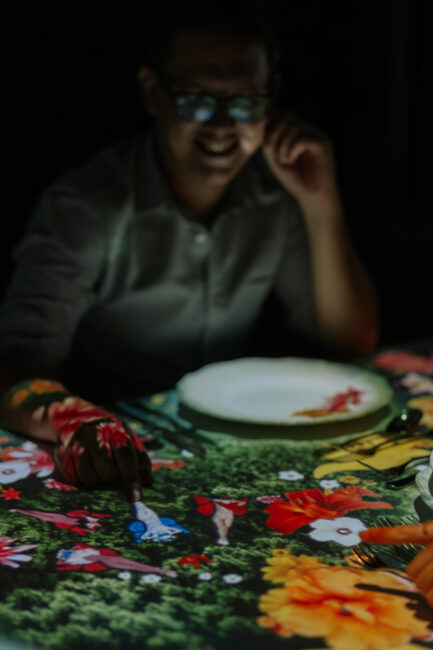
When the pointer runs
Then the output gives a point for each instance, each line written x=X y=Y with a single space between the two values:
x=201 y=107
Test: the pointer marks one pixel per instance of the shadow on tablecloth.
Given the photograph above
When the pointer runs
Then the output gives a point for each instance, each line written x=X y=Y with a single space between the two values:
x=295 y=432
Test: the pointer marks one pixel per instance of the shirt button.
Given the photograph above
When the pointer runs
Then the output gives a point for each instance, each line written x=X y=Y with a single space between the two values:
x=200 y=237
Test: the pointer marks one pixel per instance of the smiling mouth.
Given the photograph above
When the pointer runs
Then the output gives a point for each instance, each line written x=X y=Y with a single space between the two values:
x=216 y=149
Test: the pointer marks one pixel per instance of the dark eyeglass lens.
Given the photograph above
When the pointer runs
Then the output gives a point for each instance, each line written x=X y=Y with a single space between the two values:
x=195 y=108
x=246 y=109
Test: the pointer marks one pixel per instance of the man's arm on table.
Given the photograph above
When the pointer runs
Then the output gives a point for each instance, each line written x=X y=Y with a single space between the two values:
x=344 y=299
x=92 y=446
x=58 y=265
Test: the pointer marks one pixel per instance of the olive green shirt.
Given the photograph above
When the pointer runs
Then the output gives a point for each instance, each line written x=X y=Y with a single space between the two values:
x=111 y=276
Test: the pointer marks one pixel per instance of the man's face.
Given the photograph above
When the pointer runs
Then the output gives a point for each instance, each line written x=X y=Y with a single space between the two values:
x=210 y=152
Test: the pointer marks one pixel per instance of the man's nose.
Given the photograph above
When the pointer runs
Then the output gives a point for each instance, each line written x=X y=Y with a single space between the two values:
x=221 y=118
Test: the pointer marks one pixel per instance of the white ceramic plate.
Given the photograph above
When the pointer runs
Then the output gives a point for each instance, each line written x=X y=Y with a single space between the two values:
x=283 y=391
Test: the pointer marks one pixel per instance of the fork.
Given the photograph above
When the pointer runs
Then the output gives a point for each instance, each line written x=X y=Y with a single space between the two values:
x=386 y=557
x=179 y=435
x=365 y=555
x=407 y=551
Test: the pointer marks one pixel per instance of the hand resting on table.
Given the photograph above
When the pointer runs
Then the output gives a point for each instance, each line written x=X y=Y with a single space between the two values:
x=92 y=446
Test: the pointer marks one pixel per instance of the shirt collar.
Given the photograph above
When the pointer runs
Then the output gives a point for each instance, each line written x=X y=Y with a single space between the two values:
x=152 y=191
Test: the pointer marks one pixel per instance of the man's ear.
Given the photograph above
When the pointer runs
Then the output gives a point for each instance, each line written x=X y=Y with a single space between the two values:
x=148 y=83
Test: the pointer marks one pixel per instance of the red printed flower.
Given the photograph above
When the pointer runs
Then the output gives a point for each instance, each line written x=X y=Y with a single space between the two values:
x=10 y=494
x=306 y=506
x=57 y=485
x=69 y=415
x=195 y=559
x=111 y=433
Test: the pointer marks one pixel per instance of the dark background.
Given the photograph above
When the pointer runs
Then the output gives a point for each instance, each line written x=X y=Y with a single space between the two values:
x=362 y=70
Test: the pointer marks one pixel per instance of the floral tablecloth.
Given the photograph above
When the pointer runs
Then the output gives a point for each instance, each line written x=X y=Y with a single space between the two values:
x=246 y=547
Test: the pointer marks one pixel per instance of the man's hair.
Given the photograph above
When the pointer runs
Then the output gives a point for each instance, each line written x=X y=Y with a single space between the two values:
x=232 y=18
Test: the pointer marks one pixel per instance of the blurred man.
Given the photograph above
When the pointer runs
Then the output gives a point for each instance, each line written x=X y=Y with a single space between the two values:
x=161 y=253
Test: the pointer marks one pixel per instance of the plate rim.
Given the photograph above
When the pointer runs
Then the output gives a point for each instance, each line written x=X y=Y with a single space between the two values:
x=383 y=395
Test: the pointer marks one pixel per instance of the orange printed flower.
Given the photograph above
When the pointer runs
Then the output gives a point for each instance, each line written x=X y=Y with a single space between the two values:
x=284 y=566
x=158 y=463
x=18 y=398
x=305 y=506
x=345 y=616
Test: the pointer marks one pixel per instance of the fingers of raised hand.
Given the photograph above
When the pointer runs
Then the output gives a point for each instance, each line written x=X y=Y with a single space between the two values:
x=287 y=140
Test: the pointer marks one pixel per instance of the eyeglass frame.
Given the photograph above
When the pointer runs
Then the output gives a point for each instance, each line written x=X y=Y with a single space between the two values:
x=219 y=101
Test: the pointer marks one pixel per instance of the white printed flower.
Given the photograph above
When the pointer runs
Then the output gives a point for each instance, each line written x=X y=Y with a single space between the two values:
x=328 y=484
x=150 y=578
x=290 y=475
x=187 y=453
x=343 y=530
x=124 y=575
x=28 y=446
x=232 y=578
x=14 y=470
x=204 y=576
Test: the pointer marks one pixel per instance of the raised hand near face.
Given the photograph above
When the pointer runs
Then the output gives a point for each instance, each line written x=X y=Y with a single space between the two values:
x=301 y=158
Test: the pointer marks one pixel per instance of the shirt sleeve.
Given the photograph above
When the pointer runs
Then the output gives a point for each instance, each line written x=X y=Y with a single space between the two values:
x=58 y=265
x=293 y=282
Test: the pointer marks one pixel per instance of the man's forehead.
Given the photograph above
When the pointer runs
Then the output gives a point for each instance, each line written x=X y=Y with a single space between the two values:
x=199 y=55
